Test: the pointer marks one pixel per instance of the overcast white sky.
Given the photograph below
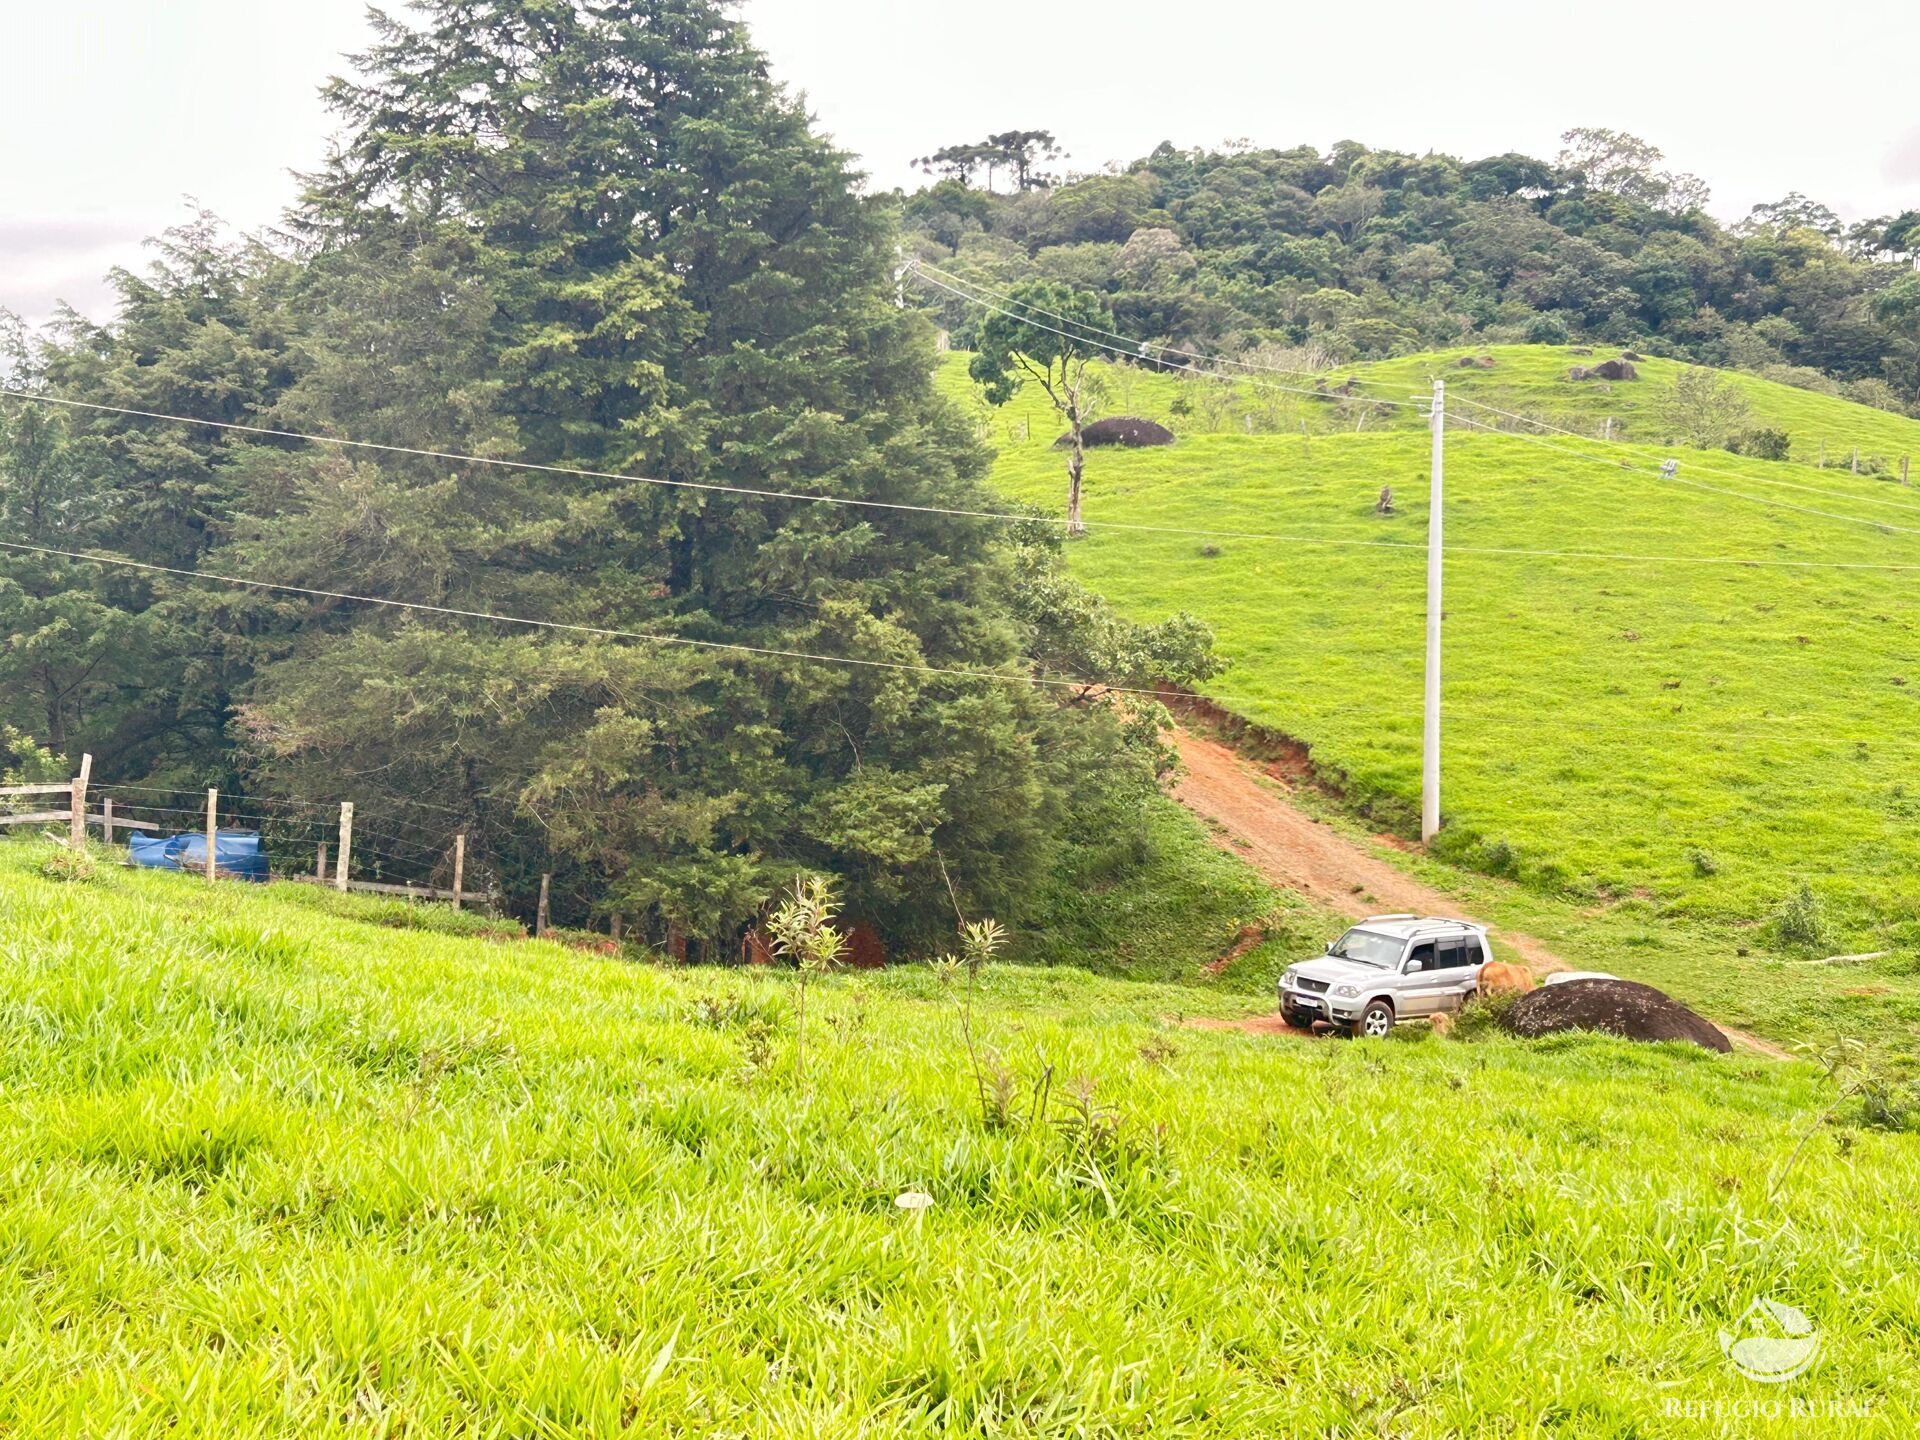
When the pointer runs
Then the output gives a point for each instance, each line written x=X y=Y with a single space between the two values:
x=112 y=110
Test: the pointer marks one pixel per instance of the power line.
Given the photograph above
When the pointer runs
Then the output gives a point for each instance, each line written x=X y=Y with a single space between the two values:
x=1694 y=464
x=314 y=438
x=1762 y=500
x=1134 y=354
x=601 y=632
x=1132 y=528
x=1140 y=348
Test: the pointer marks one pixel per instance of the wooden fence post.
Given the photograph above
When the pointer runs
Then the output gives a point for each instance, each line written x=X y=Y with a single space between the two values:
x=1905 y=462
x=106 y=820
x=617 y=927
x=459 y=866
x=1856 y=459
x=320 y=863
x=345 y=860
x=540 y=922
x=77 y=824
x=213 y=833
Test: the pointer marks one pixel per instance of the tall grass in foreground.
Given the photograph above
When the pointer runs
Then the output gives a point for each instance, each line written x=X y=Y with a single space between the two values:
x=270 y=1170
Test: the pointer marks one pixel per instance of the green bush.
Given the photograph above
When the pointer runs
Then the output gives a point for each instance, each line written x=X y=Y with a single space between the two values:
x=1483 y=1015
x=1761 y=444
x=1802 y=921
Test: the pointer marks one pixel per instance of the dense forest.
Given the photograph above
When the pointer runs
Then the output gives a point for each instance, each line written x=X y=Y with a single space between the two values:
x=601 y=242
x=1360 y=254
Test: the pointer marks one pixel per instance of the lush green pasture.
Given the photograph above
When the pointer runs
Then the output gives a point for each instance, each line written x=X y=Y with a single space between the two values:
x=1529 y=380
x=276 y=1171
x=1532 y=380
x=1696 y=740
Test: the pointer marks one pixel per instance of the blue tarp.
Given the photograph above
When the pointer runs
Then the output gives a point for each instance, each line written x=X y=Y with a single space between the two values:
x=237 y=854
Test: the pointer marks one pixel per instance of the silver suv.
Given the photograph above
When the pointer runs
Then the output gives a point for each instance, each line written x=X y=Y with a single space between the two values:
x=1384 y=970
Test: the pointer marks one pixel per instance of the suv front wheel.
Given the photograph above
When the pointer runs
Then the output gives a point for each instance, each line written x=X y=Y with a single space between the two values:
x=1373 y=1022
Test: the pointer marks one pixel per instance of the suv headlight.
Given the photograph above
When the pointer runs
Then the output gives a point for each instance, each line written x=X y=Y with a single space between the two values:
x=1346 y=992
x=1288 y=977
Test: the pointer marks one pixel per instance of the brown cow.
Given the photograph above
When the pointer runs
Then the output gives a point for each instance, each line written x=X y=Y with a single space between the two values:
x=1497 y=978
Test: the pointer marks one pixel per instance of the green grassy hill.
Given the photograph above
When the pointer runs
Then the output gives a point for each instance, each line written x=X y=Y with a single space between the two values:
x=1532 y=379
x=1529 y=380
x=1675 y=743
x=283 y=1164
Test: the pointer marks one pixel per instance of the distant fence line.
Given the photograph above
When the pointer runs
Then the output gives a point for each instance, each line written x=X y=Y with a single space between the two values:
x=75 y=815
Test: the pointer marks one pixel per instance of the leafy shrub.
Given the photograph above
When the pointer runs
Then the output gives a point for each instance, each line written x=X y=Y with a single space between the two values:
x=22 y=762
x=1703 y=408
x=1497 y=857
x=1483 y=1015
x=1761 y=444
x=1547 y=329
x=804 y=935
x=1705 y=863
x=734 y=1012
x=1802 y=921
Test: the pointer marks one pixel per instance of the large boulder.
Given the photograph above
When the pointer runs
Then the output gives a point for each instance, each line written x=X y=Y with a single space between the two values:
x=1127 y=430
x=1615 y=1007
x=1605 y=370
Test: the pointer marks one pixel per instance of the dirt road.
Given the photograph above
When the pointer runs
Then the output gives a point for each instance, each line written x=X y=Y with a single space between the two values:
x=1292 y=849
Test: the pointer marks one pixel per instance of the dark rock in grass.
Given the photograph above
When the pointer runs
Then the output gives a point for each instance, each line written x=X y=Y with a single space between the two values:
x=1583 y=349
x=1605 y=370
x=1127 y=430
x=1474 y=362
x=1616 y=1007
x=1630 y=355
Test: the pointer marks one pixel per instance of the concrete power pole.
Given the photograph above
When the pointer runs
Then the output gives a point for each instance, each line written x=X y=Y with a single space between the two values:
x=1430 y=740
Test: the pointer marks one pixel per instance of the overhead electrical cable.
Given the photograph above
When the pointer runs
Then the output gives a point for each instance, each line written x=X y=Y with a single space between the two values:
x=1692 y=464
x=1189 y=532
x=1027 y=319
x=1666 y=479
x=599 y=631
x=1140 y=349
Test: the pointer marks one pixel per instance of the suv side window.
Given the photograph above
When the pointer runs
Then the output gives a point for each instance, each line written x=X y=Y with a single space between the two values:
x=1423 y=952
x=1458 y=953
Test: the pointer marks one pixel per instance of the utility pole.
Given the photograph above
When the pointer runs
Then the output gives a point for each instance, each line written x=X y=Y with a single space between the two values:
x=1430 y=739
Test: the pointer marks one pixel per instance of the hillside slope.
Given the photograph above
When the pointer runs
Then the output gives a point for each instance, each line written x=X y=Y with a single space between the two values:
x=281 y=1170
x=1694 y=739
x=1533 y=380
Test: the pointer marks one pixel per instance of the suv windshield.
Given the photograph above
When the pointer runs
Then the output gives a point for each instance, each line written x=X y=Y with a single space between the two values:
x=1369 y=948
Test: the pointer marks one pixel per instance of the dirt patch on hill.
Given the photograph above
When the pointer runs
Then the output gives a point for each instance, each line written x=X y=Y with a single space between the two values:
x=1615 y=1007
x=1277 y=755
x=1249 y=938
x=1248 y=1025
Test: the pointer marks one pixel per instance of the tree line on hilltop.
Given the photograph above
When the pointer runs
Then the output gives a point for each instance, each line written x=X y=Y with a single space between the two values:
x=1364 y=254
